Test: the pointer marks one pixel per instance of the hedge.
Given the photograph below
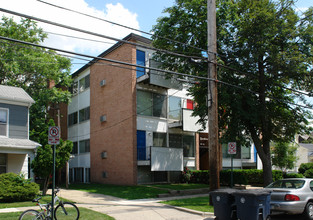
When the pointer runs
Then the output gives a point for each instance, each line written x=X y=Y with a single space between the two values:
x=246 y=177
x=15 y=188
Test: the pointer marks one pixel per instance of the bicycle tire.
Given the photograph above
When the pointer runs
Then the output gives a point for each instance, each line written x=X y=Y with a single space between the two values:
x=66 y=211
x=30 y=214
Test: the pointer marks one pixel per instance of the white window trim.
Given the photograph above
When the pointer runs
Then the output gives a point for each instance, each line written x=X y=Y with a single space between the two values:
x=7 y=131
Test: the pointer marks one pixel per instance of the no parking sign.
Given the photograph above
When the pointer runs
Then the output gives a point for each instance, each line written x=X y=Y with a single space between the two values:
x=232 y=148
x=54 y=135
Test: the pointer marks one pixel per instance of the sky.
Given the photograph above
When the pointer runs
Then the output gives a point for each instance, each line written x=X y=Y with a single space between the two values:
x=138 y=14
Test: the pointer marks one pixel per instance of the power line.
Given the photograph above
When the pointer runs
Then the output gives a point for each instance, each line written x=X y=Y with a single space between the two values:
x=124 y=26
x=96 y=34
x=123 y=41
x=80 y=38
x=116 y=62
x=102 y=58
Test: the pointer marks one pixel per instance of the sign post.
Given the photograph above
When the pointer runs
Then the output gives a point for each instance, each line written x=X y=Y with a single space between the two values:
x=53 y=139
x=232 y=150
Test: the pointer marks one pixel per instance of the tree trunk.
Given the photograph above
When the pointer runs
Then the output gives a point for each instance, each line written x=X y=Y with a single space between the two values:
x=45 y=186
x=267 y=170
x=264 y=152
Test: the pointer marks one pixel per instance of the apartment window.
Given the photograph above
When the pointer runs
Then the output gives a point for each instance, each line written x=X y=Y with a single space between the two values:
x=87 y=175
x=189 y=145
x=3 y=163
x=84 y=114
x=141 y=60
x=175 y=140
x=3 y=122
x=159 y=105
x=187 y=142
x=84 y=146
x=245 y=152
x=84 y=83
x=75 y=148
x=78 y=174
x=72 y=118
x=151 y=104
x=74 y=88
x=175 y=110
x=159 y=139
x=144 y=103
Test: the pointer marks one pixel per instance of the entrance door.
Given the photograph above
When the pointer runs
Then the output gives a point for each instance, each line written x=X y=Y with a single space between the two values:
x=141 y=145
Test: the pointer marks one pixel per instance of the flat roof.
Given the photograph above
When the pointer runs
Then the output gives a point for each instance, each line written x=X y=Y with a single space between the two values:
x=115 y=46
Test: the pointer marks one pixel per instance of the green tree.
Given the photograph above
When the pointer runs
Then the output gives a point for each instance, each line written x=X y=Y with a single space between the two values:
x=284 y=156
x=44 y=75
x=270 y=45
x=42 y=164
x=33 y=69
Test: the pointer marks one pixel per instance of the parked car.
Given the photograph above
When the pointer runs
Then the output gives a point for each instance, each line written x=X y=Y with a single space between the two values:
x=292 y=196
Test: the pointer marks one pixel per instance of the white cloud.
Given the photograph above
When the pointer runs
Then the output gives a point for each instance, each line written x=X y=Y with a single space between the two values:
x=113 y=12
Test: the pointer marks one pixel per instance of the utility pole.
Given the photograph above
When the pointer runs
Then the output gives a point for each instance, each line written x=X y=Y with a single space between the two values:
x=214 y=152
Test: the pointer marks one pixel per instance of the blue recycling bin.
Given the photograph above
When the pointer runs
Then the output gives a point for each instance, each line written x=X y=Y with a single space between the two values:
x=253 y=204
x=224 y=204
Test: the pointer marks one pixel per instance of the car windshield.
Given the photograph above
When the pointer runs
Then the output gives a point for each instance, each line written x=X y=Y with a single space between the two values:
x=290 y=184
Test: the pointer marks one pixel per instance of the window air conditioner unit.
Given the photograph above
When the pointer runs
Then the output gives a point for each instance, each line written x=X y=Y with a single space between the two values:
x=103 y=118
x=102 y=83
x=104 y=155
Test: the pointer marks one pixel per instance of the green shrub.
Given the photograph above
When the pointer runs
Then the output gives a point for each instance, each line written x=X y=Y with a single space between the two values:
x=308 y=173
x=200 y=176
x=304 y=167
x=293 y=175
x=277 y=175
x=15 y=188
x=186 y=175
x=246 y=177
x=238 y=177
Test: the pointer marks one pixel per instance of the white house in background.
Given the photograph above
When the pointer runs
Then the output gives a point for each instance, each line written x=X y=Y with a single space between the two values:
x=16 y=150
x=245 y=158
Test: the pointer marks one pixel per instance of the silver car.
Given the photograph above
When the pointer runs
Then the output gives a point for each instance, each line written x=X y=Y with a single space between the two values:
x=292 y=196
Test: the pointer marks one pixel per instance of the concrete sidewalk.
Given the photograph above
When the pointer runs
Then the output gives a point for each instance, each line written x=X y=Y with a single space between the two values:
x=120 y=209
x=141 y=209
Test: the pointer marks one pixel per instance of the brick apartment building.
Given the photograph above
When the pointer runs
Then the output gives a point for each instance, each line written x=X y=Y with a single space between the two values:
x=132 y=125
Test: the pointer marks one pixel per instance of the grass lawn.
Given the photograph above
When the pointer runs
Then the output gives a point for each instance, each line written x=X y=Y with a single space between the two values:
x=198 y=203
x=44 y=200
x=125 y=192
x=181 y=186
x=85 y=214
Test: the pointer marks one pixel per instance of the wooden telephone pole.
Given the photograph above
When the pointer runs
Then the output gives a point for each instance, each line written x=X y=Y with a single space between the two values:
x=214 y=152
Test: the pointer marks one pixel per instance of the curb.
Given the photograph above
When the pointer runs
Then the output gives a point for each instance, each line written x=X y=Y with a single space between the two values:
x=203 y=214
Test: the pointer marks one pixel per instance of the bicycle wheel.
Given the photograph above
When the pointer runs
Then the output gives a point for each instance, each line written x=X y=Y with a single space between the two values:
x=30 y=215
x=67 y=211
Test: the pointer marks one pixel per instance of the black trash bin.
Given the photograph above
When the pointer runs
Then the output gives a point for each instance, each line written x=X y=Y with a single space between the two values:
x=224 y=204
x=253 y=204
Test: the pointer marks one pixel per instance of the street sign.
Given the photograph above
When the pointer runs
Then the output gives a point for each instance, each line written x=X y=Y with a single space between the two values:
x=232 y=148
x=54 y=135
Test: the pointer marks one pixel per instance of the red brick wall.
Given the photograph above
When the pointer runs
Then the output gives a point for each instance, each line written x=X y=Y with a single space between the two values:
x=116 y=136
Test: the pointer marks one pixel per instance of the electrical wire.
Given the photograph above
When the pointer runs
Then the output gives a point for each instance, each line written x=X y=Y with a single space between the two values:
x=116 y=62
x=103 y=59
x=115 y=39
x=80 y=38
x=124 y=26
x=96 y=34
